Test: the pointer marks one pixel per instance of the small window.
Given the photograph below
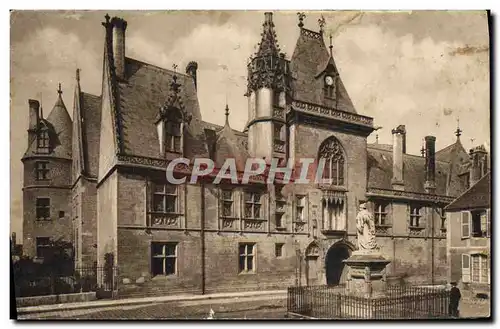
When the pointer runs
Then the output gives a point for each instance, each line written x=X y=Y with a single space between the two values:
x=42 y=170
x=253 y=205
x=480 y=224
x=479 y=268
x=43 y=247
x=415 y=216
x=165 y=198
x=300 y=204
x=173 y=135
x=247 y=257
x=465 y=224
x=278 y=250
x=380 y=212
x=227 y=203
x=164 y=258
x=279 y=220
x=42 y=208
x=61 y=214
x=42 y=141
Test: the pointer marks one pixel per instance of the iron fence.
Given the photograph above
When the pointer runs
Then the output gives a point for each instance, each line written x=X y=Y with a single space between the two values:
x=399 y=302
x=29 y=283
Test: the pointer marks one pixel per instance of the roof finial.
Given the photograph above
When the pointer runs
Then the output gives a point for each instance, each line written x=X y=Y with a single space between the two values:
x=174 y=66
x=41 y=105
x=331 y=46
x=321 y=22
x=422 y=150
x=376 y=138
x=78 y=75
x=301 y=19
x=59 y=90
x=227 y=114
x=458 y=132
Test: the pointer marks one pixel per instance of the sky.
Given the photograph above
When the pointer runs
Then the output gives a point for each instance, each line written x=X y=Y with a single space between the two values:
x=423 y=69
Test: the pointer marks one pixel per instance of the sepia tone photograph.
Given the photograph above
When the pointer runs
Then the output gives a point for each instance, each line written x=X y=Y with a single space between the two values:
x=250 y=165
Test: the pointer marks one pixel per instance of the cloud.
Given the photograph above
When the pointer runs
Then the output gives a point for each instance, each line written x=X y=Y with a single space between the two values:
x=220 y=51
x=38 y=63
x=399 y=80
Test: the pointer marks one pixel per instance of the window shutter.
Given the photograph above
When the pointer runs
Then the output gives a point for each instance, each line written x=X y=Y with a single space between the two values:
x=465 y=224
x=465 y=268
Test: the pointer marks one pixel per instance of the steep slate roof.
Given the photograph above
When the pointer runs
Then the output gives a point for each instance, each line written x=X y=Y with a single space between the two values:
x=60 y=127
x=91 y=115
x=140 y=97
x=380 y=171
x=477 y=196
x=309 y=60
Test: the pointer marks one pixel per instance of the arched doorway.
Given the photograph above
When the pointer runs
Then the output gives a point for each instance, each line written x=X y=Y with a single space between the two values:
x=335 y=267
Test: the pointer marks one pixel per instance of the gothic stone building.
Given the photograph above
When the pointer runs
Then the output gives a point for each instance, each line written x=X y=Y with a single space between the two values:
x=101 y=178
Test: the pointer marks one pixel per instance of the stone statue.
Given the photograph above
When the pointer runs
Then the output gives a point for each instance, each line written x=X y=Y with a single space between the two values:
x=365 y=226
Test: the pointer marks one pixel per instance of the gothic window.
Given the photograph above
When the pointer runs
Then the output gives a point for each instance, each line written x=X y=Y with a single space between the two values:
x=247 y=257
x=165 y=198
x=42 y=170
x=334 y=213
x=42 y=141
x=415 y=216
x=253 y=205
x=42 y=208
x=333 y=156
x=380 y=213
x=164 y=258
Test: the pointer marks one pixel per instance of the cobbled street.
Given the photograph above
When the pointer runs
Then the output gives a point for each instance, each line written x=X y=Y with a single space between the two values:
x=232 y=308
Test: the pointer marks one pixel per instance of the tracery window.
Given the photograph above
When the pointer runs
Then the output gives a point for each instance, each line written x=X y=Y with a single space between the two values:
x=332 y=154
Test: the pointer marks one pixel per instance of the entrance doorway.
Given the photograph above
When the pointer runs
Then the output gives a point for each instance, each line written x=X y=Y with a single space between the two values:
x=335 y=268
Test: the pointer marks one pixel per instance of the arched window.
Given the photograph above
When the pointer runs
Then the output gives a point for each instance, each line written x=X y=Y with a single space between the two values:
x=332 y=153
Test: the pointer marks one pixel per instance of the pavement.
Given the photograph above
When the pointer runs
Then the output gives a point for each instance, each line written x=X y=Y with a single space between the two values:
x=219 y=298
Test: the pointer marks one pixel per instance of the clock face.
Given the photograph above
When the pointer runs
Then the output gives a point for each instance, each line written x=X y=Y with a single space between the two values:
x=329 y=80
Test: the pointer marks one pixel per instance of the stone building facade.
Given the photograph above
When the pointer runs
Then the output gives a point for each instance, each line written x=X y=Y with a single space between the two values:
x=206 y=237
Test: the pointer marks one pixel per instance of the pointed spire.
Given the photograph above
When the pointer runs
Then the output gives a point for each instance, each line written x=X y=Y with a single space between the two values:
x=458 y=132
x=268 y=44
x=41 y=105
x=331 y=46
x=422 y=150
x=301 y=19
x=227 y=115
x=321 y=23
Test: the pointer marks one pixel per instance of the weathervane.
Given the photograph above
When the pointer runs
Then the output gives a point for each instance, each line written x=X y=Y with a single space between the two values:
x=301 y=19
x=321 y=22
x=458 y=132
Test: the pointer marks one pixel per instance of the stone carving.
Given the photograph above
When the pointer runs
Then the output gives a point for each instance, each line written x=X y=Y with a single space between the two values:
x=310 y=34
x=300 y=226
x=334 y=113
x=331 y=149
x=279 y=113
x=365 y=227
x=410 y=195
x=253 y=224
x=164 y=220
x=227 y=223
x=279 y=146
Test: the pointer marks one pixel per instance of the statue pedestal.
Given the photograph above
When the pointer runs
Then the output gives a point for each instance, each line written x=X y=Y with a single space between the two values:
x=367 y=275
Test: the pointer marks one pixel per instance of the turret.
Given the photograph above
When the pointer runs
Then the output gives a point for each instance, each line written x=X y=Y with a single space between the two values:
x=266 y=91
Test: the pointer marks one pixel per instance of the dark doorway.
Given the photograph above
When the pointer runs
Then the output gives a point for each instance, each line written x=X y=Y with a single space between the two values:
x=334 y=265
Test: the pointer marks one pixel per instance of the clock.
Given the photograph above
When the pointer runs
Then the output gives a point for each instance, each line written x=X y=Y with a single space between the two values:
x=329 y=80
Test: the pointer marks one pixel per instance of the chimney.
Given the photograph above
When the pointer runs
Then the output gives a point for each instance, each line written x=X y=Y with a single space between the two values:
x=119 y=26
x=191 y=69
x=430 y=164
x=479 y=163
x=34 y=114
x=398 y=149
